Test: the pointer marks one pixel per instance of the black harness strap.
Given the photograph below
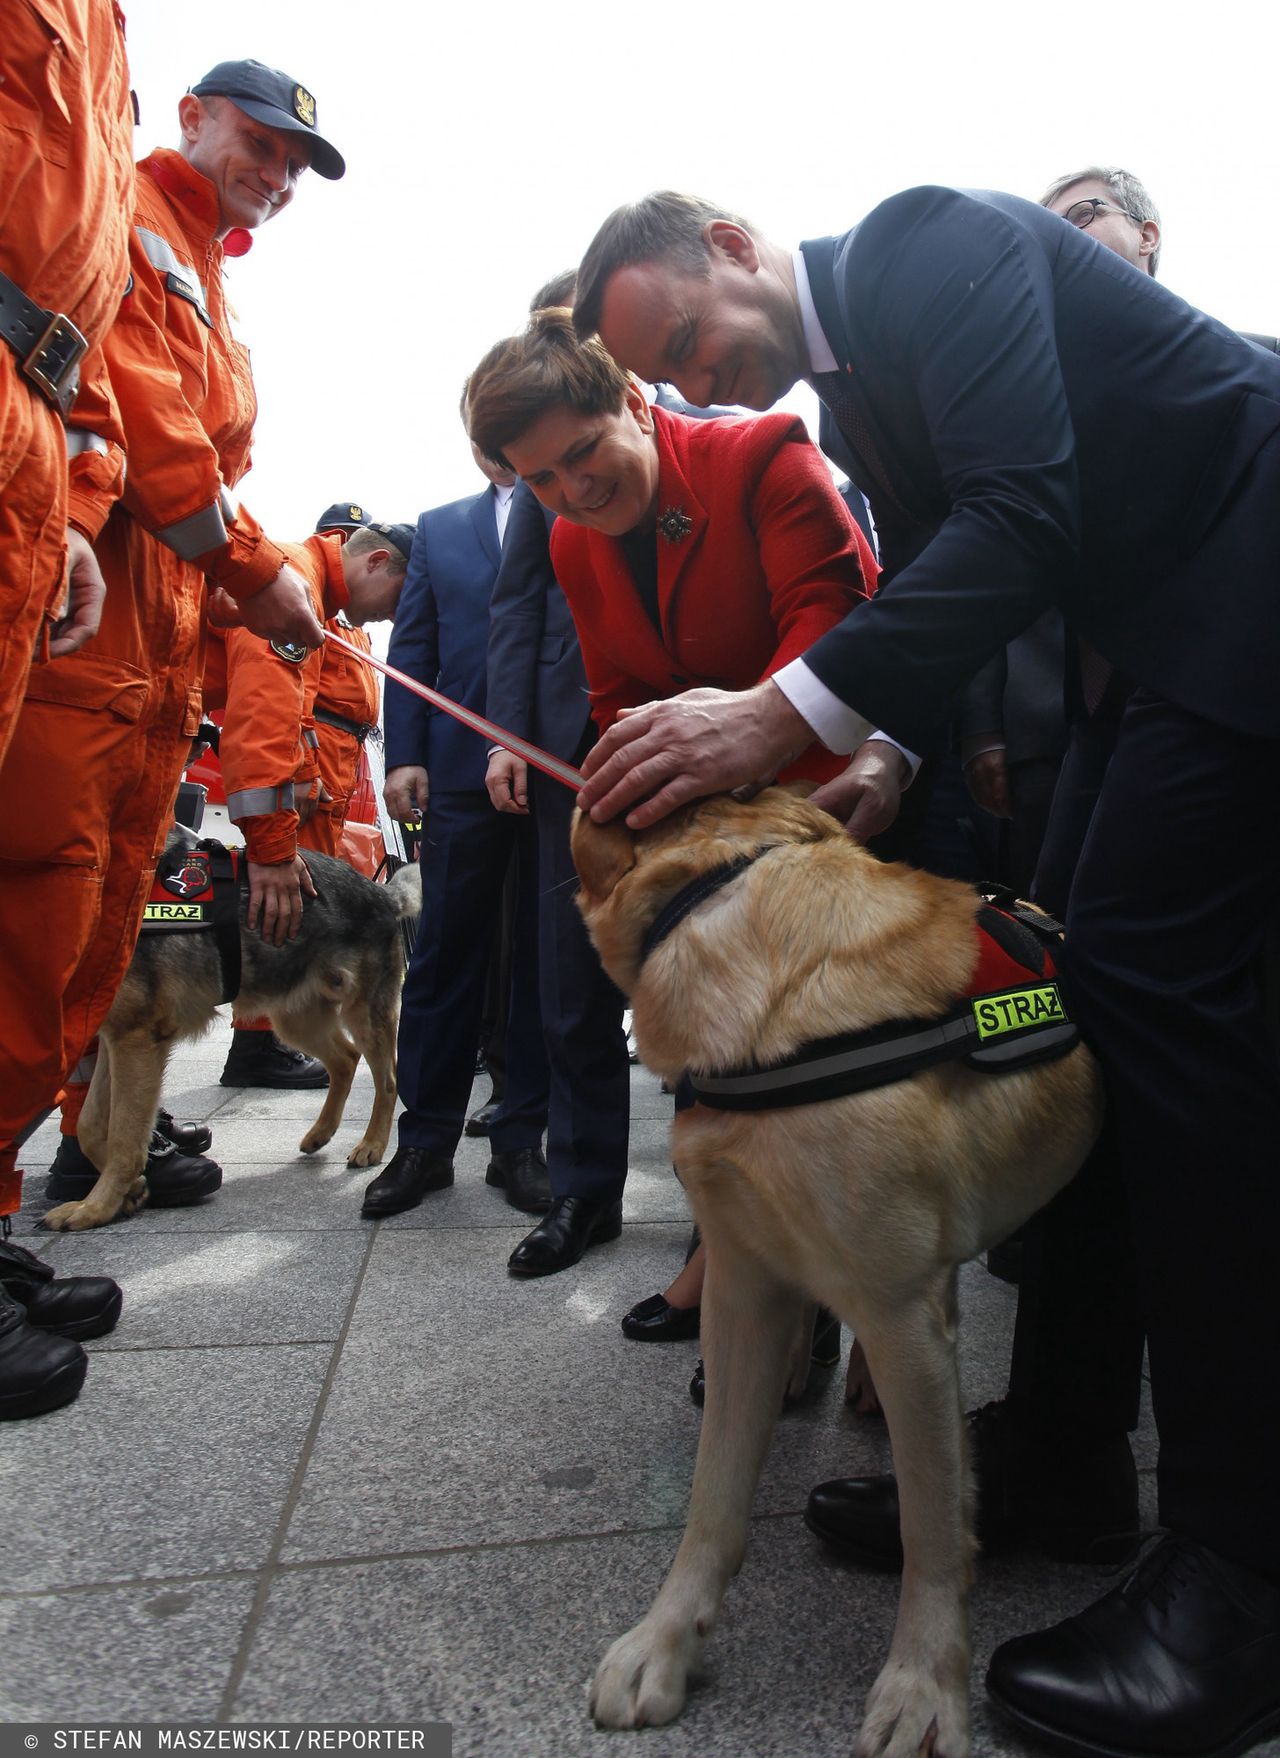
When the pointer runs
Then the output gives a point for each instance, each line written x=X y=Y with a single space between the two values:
x=225 y=913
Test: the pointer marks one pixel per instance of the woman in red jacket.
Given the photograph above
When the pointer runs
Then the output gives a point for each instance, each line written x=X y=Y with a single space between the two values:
x=691 y=552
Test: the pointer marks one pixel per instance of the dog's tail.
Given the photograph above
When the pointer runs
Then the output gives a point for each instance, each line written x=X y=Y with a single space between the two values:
x=404 y=888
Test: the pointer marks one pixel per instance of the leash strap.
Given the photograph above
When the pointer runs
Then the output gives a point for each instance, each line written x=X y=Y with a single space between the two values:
x=496 y=735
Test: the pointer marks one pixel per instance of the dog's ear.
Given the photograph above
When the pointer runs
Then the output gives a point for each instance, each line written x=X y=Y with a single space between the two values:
x=602 y=853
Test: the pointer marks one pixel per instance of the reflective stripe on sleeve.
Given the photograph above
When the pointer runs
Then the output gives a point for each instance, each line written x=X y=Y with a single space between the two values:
x=311 y=737
x=260 y=802
x=79 y=440
x=196 y=535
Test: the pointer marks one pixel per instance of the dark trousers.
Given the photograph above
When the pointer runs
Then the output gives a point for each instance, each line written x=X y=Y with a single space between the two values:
x=466 y=850
x=589 y=1120
x=1176 y=885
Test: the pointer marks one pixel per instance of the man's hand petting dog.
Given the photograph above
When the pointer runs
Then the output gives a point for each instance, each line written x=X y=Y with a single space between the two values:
x=658 y=756
x=866 y=796
x=275 y=893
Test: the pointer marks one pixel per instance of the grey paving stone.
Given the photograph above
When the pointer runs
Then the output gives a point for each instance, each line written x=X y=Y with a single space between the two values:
x=170 y=1462
x=158 y=1653
x=182 y=1291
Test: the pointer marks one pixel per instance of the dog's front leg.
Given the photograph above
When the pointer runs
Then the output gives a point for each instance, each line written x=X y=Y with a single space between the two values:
x=115 y=1127
x=920 y=1702
x=747 y=1324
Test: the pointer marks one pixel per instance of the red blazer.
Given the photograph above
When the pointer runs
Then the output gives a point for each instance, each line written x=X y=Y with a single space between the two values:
x=768 y=561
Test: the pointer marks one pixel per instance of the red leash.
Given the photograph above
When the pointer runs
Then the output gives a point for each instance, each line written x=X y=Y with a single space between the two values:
x=549 y=765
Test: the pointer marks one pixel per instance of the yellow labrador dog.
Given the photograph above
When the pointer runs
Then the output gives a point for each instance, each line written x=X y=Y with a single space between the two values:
x=742 y=934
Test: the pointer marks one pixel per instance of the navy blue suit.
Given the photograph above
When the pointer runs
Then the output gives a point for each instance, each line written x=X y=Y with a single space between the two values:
x=538 y=689
x=441 y=637
x=1037 y=423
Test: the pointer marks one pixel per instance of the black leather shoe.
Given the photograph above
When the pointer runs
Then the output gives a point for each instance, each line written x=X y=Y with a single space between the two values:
x=698 y=1384
x=259 y=1059
x=39 y=1371
x=73 y=1306
x=656 y=1321
x=1075 y=1503
x=522 y=1173
x=1182 y=1659
x=188 y=1138
x=406 y=1178
x=824 y=1351
x=174 y=1179
x=572 y=1224
x=480 y=1119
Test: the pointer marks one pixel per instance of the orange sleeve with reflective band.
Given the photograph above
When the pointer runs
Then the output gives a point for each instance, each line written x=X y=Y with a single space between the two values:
x=259 y=745
x=185 y=401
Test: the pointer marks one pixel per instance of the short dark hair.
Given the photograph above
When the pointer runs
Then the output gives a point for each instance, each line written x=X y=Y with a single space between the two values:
x=559 y=290
x=663 y=227
x=545 y=367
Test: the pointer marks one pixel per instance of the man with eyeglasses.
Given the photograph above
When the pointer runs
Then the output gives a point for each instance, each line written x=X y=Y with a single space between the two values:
x=1037 y=425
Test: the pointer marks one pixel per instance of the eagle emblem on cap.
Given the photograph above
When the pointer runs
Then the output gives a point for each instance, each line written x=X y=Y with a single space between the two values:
x=304 y=106
x=292 y=651
x=355 y=512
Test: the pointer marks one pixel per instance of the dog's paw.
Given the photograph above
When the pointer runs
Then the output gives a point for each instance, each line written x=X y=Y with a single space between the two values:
x=367 y=1153
x=910 y=1713
x=135 y=1197
x=643 y=1679
x=859 y=1387
x=315 y=1139
x=75 y=1217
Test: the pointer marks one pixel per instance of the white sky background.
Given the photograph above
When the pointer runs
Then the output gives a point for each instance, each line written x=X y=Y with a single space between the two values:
x=485 y=143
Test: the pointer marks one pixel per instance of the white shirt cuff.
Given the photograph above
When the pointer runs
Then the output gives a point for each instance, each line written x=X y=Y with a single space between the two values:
x=841 y=728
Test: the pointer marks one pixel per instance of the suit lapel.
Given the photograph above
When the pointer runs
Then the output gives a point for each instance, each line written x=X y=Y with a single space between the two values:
x=484 y=518
x=682 y=520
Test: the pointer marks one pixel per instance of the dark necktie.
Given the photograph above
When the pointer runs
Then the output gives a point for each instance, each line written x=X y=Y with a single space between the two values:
x=835 y=390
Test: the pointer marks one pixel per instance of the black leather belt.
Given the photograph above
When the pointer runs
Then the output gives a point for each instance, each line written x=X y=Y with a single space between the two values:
x=48 y=345
x=359 y=729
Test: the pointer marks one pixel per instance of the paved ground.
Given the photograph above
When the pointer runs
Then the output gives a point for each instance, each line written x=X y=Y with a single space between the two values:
x=332 y=1470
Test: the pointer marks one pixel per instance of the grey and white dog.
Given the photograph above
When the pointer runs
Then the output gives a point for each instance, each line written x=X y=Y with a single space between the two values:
x=334 y=991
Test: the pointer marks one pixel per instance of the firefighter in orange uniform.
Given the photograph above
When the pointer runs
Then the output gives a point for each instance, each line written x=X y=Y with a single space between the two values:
x=66 y=197
x=272 y=763
x=87 y=790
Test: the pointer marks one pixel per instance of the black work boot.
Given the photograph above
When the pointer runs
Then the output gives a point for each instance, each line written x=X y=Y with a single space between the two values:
x=39 y=1371
x=259 y=1059
x=73 y=1306
x=188 y=1138
x=1076 y=1500
x=173 y=1179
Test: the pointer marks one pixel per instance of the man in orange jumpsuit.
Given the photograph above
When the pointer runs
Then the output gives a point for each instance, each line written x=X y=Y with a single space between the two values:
x=285 y=790
x=66 y=197
x=87 y=789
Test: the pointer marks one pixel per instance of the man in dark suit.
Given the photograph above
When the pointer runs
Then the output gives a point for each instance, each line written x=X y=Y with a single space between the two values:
x=1037 y=423
x=436 y=767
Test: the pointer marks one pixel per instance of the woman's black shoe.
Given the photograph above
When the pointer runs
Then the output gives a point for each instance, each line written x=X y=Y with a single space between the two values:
x=656 y=1321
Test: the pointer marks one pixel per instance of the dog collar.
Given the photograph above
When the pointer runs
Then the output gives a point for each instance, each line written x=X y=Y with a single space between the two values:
x=690 y=896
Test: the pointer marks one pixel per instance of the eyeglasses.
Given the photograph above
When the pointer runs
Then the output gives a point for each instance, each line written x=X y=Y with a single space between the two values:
x=1084 y=213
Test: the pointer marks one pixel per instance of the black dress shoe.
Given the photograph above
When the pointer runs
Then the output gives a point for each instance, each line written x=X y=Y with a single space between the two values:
x=572 y=1224
x=188 y=1138
x=522 y=1173
x=174 y=1179
x=656 y=1321
x=1182 y=1659
x=1075 y=1503
x=406 y=1178
x=259 y=1059
x=480 y=1119
x=39 y=1370
x=73 y=1306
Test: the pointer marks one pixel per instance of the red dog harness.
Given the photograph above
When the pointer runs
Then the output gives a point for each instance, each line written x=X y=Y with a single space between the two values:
x=197 y=890
x=1011 y=1015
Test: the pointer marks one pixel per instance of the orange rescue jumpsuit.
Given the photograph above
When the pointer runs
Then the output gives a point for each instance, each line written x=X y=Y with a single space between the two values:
x=337 y=684
x=66 y=196
x=86 y=794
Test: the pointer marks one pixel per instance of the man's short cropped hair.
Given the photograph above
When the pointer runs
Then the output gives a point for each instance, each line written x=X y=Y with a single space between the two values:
x=663 y=227
x=1129 y=191
x=545 y=367
x=368 y=538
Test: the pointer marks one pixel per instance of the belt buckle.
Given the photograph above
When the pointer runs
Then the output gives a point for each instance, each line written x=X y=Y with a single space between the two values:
x=61 y=348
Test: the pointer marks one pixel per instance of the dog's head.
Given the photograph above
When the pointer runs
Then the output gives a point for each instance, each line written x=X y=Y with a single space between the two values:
x=628 y=876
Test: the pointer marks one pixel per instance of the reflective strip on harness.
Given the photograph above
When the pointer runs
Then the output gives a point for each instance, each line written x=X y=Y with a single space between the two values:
x=258 y=802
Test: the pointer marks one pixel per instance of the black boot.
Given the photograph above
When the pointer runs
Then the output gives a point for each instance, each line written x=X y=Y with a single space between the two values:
x=259 y=1059
x=38 y=1370
x=188 y=1138
x=73 y=1306
x=173 y=1179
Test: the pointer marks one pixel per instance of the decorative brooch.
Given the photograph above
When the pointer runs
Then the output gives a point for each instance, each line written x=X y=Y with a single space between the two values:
x=674 y=524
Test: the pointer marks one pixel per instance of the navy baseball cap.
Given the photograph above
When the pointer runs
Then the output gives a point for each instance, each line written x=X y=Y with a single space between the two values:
x=272 y=97
x=400 y=535
x=342 y=516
